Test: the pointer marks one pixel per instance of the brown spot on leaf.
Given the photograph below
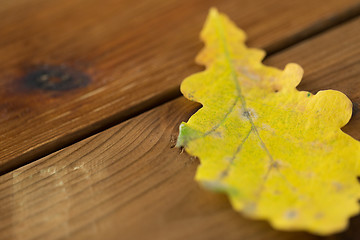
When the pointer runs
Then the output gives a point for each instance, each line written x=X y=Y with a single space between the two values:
x=291 y=214
x=319 y=215
x=248 y=113
x=250 y=207
x=275 y=165
x=276 y=88
x=277 y=192
x=338 y=186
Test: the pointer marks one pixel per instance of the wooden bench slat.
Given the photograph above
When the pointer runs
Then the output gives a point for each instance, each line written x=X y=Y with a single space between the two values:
x=128 y=182
x=108 y=61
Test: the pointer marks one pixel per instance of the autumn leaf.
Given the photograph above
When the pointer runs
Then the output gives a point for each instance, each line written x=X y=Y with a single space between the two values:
x=278 y=153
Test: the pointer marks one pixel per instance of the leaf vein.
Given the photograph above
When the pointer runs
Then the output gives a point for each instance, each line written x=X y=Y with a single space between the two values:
x=225 y=172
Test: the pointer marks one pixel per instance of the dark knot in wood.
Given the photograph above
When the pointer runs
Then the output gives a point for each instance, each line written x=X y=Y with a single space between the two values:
x=55 y=78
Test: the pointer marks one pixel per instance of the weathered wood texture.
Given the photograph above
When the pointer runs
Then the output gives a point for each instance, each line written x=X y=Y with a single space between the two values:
x=69 y=68
x=128 y=182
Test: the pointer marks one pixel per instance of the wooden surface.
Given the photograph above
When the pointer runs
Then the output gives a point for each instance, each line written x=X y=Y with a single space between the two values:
x=71 y=68
x=128 y=182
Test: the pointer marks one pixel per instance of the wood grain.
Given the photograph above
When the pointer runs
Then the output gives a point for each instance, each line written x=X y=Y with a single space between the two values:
x=125 y=183
x=71 y=68
x=128 y=182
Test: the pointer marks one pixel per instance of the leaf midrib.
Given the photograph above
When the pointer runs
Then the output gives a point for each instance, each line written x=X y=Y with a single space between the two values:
x=240 y=96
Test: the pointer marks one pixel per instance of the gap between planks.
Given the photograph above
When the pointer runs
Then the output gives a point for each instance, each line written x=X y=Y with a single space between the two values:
x=311 y=31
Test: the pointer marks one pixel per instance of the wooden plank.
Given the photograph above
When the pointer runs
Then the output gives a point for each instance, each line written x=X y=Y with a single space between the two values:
x=71 y=68
x=130 y=183
x=125 y=183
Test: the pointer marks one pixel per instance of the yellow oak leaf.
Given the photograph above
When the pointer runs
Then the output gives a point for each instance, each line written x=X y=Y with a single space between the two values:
x=278 y=153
